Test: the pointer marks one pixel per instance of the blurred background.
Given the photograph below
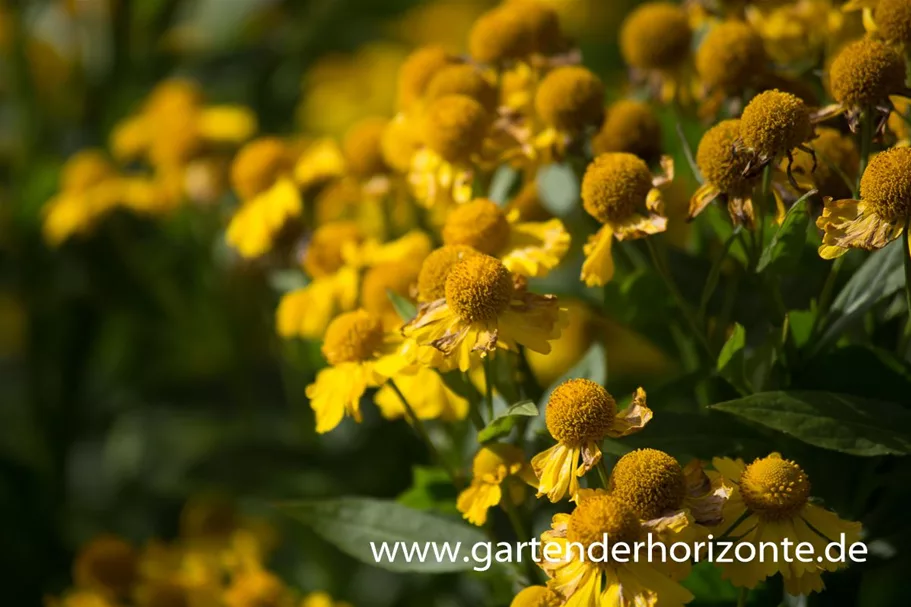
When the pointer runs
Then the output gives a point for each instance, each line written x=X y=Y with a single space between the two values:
x=139 y=368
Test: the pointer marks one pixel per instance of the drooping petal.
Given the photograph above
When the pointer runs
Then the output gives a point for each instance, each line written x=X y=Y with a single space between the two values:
x=336 y=392
x=474 y=501
x=598 y=267
x=633 y=418
x=535 y=248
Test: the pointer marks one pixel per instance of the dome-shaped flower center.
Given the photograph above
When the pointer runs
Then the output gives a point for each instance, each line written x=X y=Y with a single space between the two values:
x=615 y=186
x=479 y=288
x=656 y=36
x=84 y=170
x=352 y=337
x=731 y=56
x=570 y=98
x=599 y=515
x=435 y=270
x=463 y=79
x=630 y=126
x=774 y=487
x=324 y=252
x=893 y=20
x=865 y=73
x=650 y=481
x=416 y=72
x=454 y=127
x=480 y=224
x=108 y=563
x=395 y=276
x=886 y=184
x=579 y=410
x=361 y=147
x=257 y=166
x=717 y=161
x=500 y=34
x=493 y=460
x=775 y=123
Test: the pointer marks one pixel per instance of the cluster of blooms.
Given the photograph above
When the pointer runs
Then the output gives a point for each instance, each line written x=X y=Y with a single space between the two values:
x=413 y=272
x=218 y=561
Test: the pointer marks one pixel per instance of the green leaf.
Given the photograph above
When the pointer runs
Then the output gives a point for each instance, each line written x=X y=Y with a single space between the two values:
x=839 y=422
x=403 y=307
x=731 y=362
x=353 y=524
x=503 y=184
x=879 y=277
x=284 y=281
x=788 y=242
x=503 y=423
x=800 y=323
x=558 y=187
x=431 y=489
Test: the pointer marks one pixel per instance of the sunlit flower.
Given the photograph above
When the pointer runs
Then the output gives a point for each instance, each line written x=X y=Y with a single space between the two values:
x=499 y=471
x=417 y=71
x=88 y=190
x=516 y=30
x=353 y=344
x=398 y=277
x=879 y=216
x=599 y=581
x=655 y=41
x=463 y=79
x=258 y=587
x=485 y=307
x=630 y=126
x=321 y=599
x=888 y=19
x=770 y=503
x=525 y=248
x=579 y=415
x=730 y=60
x=620 y=192
x=536 y=596
x=427 y=394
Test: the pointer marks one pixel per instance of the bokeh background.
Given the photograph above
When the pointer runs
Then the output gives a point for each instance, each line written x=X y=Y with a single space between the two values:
x=140 y=367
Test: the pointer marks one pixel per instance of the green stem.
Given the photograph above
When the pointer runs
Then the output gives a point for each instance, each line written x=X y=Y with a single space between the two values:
x=522 y=534
x=906 y=336
x=742 y=599
x=603 y=473
x=825 y=297
x=866 y=144
x=688 y=314
x=419 y=427
x=530 y=385
x=712 y=281
x=488 y=384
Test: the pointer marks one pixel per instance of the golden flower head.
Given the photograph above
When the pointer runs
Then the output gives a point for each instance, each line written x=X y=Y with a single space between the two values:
x=599 y=515
x=570 y=98
x=656 y=36
x=324 y=253
x=578 y=411
x=362 y=149
x=775 y=123
x=416 y=72
x=258 y=164
x=463 y=79
x=352 y=337
x=398 y=144
x=774 y=487
x=650 y=481
x=106 y=563
x=536 y=596
x=395 y=276
x=630 y=126
x=478 y=288
x=731 y=56
x=435 y=270
x=480 y=224
x=614 y=186
x=499 y=35
x=542 y=23
x=865 y=73
x=85 y=169
x=886 y=184
x=454 y=127
x=893 y=20
x=834 y=152
x=718 y=163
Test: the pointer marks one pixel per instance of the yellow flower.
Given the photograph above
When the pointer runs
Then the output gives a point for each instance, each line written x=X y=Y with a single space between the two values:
x=427 y=393
x=834 y=170
x=495 y=468
x=879 y=216
x=603 y=582
x=453 y=129
x=570 y=99
x=88 y=190
x=107 y=564
x=399 y=277
x=619 y=191
x=484 y=309
x=630 y=126
x=362 y=150
x=861 y=79
x=257 y=588
x=525 y=248
x=770 y=502
x=655 y=41
x=536 y=596
x=417 y=71
x=321 y=599
x=579 y=415
x=772 y=126
x=80 y=598
x=270 y=199
x=730 y=60
x=463 y=79
x=353 y=345
x=888 y=19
